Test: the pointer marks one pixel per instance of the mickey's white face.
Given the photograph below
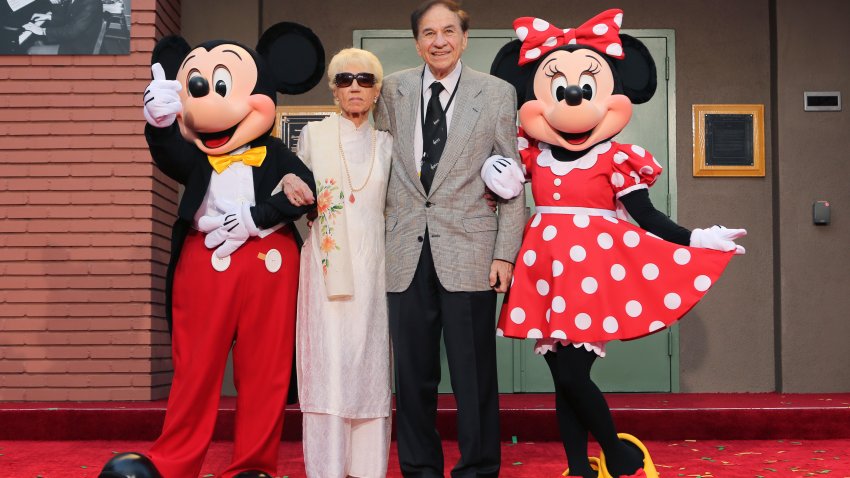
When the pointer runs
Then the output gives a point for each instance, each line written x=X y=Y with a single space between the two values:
x=574 y=106
x=219 y=112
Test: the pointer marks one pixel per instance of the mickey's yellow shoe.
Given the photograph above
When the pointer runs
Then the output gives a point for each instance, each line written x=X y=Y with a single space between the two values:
x=648 y=470
x=594 y=465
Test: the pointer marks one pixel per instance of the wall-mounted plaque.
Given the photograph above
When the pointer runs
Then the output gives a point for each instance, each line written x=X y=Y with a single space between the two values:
x=728 y=140
x=291 y=119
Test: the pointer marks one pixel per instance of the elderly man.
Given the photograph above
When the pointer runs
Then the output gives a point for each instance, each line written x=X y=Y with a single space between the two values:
x=447 y=252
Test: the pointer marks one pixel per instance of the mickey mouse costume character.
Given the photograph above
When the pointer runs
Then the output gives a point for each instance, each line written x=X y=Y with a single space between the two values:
x=584 y=274
x=223 y=96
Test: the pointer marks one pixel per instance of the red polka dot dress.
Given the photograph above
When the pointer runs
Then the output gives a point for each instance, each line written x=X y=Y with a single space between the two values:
x=585 y=275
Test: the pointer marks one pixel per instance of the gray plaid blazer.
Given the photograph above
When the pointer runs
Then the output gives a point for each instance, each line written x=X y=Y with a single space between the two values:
x=465 y=234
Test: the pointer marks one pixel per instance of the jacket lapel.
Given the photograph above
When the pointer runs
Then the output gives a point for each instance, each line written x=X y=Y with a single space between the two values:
x=468 y=104
x=260 y=192
x=409 y=92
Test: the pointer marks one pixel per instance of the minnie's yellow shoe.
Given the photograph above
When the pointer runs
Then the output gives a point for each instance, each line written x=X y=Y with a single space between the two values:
x=595 y=465
x=648 y=470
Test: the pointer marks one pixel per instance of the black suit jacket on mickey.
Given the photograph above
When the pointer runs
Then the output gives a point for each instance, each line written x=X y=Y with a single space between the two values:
x=189 y=166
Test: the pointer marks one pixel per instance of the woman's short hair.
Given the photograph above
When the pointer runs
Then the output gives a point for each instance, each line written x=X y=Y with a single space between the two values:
x=349 y=56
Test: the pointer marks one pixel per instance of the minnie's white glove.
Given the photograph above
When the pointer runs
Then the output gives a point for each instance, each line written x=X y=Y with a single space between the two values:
x=718 y=238
x=228 y=231
x=503 y=176
x=162 y=103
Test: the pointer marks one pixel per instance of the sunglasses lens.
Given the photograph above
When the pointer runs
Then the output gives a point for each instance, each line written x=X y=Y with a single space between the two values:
x=366 y=80
x=343 y=80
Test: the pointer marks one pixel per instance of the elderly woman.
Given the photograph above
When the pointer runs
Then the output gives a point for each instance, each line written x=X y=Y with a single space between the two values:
x=342 y=344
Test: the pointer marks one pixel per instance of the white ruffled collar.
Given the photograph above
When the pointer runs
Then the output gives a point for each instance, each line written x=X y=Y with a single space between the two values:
x=561 y=168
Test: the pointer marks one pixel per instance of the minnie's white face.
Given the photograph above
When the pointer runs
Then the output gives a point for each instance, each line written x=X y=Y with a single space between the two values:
x=574 y=106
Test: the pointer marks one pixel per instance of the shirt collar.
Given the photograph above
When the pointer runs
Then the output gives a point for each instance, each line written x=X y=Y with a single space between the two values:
x=449 y=82
x=347 y=125
x=240 y=150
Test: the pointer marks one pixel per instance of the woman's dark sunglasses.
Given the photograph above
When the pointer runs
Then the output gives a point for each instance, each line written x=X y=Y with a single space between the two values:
x=344 y=80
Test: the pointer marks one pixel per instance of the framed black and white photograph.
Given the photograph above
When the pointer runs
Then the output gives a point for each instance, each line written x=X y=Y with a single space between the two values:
x=64 y=27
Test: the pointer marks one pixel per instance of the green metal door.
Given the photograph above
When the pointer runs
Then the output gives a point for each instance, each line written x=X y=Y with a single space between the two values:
x=646 y=365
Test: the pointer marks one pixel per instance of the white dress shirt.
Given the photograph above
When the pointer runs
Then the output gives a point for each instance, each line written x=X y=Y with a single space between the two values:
x=449 y=85
x=229 y=189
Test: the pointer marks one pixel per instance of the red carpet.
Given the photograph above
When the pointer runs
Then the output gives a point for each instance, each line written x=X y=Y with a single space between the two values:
x=662 y=416
x=690 y=435
x=691 y=458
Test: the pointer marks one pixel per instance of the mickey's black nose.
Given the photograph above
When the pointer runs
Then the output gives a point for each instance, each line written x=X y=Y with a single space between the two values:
x=198 y=87
x=572 y=94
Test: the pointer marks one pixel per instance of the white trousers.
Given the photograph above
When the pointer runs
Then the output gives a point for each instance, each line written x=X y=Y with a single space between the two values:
x=336 y=447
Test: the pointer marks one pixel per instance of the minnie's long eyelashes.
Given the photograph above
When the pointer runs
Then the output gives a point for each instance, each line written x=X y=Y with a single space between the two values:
x=593 y=68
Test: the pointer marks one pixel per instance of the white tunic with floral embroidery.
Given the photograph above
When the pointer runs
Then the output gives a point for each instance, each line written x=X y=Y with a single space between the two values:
x=343 y=346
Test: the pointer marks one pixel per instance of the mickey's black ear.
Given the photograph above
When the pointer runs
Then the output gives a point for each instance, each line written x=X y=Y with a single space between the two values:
x=636 y=70
x=506 y=66
x=170 y=53
x=295 y=56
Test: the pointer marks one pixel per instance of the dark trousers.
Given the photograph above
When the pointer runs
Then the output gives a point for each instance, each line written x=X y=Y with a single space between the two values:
x=466 y=320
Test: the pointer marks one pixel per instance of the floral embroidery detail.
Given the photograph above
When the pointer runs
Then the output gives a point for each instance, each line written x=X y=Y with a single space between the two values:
x=329 y=206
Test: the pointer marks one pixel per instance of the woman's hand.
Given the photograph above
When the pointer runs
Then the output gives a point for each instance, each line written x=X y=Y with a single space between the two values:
x=297 y=191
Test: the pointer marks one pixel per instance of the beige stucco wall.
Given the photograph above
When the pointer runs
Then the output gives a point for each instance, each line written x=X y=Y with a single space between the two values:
x=815 y=283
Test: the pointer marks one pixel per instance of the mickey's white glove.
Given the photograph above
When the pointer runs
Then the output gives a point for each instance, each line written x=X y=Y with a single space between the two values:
x=162 y=103
x=228 y=231
x=503 y=176
x=718 y=238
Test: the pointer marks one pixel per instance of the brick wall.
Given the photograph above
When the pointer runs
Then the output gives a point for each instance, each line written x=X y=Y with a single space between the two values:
x=84 y=225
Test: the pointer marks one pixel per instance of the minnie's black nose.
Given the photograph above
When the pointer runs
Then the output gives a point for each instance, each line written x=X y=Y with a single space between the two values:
x=573 y=95
x=198 y=86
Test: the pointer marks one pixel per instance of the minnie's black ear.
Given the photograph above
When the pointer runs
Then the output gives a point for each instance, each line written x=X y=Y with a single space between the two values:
x=636 y=70
x=170 y=53
x=506 y=66
x=295 y=56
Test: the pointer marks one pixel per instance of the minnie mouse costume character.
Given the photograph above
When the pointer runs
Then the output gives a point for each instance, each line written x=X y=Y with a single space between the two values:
x=584 y=274
x=223 y=96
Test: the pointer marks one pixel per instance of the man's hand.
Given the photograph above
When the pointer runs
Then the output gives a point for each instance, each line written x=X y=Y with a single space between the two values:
x=39 y=17
x=34 y=29
x=492 y=202
x=162 y=103
x=311 y=216
x=501 y=273
x=297 y=191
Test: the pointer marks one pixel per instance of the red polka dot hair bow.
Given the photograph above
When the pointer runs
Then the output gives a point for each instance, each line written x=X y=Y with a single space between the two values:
x=539 y=37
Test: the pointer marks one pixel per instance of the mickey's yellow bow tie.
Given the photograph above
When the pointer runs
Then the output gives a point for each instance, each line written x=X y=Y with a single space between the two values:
x=252 y=157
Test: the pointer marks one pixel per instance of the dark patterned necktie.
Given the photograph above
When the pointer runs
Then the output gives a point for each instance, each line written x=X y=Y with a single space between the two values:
x=434 y=133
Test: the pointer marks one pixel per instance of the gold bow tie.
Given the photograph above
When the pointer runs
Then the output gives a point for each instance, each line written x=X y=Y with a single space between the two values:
x=252 y=157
